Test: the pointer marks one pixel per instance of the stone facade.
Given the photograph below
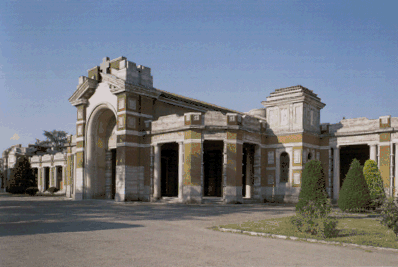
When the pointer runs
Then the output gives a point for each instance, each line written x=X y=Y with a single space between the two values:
x=137 y=142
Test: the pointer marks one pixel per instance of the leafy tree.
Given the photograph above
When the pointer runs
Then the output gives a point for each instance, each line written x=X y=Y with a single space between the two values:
x=354 y=194
x=55 y=139
x=21 y=177
x=313 y=186
x=375 y=183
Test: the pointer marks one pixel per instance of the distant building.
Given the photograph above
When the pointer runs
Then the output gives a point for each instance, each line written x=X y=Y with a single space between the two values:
x=40 y=157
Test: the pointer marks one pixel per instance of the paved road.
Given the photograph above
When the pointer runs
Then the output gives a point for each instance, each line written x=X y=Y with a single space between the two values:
x=44 y=231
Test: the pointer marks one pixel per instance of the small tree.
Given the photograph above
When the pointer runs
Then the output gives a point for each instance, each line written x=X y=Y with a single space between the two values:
x=313 y=186
x=354 y=194
x=314 y=207
x=375 y=183
x=21 y=177
x=55 y=139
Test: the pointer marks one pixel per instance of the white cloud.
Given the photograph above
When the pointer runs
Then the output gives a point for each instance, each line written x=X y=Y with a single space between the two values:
x=15 y=137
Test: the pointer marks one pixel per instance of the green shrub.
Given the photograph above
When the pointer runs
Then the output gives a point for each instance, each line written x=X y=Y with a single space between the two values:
x=313 y=186
x=375 y=183
x=314 y=219
x=354 y=194
x=390 y=214
x=31 y=191
x=21 y=176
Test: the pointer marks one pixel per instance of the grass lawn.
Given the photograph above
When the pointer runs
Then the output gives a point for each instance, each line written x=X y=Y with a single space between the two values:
x=356 y=229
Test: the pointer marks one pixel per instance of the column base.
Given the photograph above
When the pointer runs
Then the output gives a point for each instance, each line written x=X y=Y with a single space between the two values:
x=233 y=195
x=192 y=195
x=78 y=196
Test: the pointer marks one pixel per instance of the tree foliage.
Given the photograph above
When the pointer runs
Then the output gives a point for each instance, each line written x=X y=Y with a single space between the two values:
x=21 y=176
x=375 y=183
x=354 y=194
x=55 y=139
x=313 y=186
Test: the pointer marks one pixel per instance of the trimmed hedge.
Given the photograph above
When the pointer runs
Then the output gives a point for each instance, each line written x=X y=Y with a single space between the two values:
x=313 y=187
x=32 y=191
x=354 y=194
x=375 y=183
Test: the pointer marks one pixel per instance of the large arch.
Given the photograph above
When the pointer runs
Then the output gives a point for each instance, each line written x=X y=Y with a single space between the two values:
x=100 y=143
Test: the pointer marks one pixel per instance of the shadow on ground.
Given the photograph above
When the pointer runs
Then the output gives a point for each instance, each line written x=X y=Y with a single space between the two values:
x=40 y=215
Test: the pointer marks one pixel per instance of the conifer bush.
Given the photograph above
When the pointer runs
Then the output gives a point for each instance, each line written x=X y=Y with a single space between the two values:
x=314 y=207
x=375 y=183
x=313 y=186
x=354 y=194
x=21 y=176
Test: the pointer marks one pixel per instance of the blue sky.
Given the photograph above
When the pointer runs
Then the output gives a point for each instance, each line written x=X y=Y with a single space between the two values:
x=230 y=53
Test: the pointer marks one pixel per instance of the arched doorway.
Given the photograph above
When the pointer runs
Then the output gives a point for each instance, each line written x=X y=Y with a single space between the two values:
x=284 y=168
x=101 y=154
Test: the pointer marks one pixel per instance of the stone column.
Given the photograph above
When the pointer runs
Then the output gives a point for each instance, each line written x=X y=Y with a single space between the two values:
x=224 y=171
x=80 y=145
x=373 y=152
x=40 y=179
x=396 y=171
x=336 y=173
x=108 y=174
x=180 y=169
x=233 y=189
x=156 y=173
x=391 y=168
x=330 y=172
x=257 y=173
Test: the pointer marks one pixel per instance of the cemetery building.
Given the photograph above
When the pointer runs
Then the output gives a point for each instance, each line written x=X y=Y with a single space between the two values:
x=137 y=142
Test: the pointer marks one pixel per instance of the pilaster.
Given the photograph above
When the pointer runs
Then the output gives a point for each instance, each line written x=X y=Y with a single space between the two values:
x=233 y=189
x=156 y=172
x=80 y=145
x=180 y=170
x=336 y=173
x=193 y=171
x=108 y=175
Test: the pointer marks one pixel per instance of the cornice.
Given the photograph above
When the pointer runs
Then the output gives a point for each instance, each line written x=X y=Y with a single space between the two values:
x=83 y=92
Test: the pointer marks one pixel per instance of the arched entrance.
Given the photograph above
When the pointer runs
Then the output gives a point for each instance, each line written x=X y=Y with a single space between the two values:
x=101 y=154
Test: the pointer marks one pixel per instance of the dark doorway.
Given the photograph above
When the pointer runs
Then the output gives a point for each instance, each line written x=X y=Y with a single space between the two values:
x=35 y=173
x=247 y=169
x=169 y=168
x=347 y=154
x=212 y=160
x=46 y=178
x=284 y=167
x=60 y=186
x=113 y=186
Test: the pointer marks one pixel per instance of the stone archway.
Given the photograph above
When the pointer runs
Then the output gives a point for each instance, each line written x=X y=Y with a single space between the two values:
x=100 y=140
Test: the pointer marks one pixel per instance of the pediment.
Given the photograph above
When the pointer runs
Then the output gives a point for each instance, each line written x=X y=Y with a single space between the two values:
x=84 y=91
x=88 y=86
